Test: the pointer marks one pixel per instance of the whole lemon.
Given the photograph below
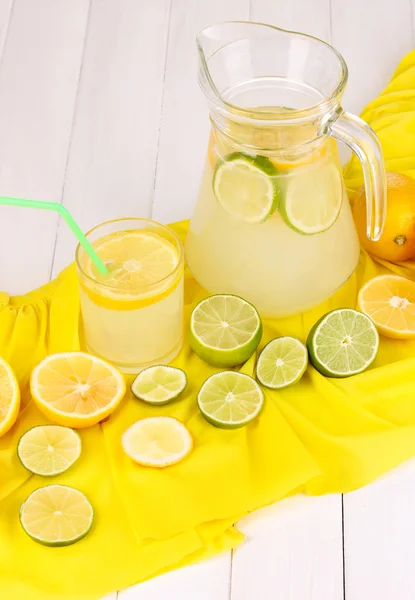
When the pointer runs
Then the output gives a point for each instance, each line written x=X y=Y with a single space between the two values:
x=397 y=242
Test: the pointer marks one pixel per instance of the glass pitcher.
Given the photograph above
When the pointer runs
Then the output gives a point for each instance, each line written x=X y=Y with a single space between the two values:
x=273 y=222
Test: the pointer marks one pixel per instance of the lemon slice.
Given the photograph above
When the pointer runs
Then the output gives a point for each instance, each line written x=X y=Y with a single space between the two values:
x=225 y=330
x=159 y=384
x=157 y=442
x=9 y=397
x=245 y=187
x=312 y=199
x=230 y=399
x=56 y=515
x=76 y=389
x=49 y=449
x=135 y=259
x=282 y=363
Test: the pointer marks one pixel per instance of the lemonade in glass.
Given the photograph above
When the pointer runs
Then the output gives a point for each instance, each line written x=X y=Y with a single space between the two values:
x=133 y=316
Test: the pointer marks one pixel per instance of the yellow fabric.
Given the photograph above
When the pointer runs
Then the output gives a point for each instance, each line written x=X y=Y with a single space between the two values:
x=319 y=436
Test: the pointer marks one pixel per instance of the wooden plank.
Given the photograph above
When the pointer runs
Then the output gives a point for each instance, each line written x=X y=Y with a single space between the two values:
x=112 y=157
x=207 y=580
x=38 y=79
x=5 y=15
x=184 y=123
x=293 y=551
x=379 y=533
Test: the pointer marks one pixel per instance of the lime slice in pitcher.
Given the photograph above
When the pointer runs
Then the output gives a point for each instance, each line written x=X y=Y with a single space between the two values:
x=244 y=186
x=312 y=199
x=281 y=363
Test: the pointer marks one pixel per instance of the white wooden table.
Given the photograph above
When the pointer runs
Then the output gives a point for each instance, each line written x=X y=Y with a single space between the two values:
x=100 y=110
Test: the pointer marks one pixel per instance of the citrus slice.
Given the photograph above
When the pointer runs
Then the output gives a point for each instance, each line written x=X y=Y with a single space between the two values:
x=135 y=259
x=56 y=515
x=342 y=343
x=9 y=397
x=157 y=442
x=76 y=389
x=244 y=186
x=389 y=300
x=225 y=330
x=313 y=199
x=281 y=363
x=230 y=399
x=49 y=449
x=159 y=384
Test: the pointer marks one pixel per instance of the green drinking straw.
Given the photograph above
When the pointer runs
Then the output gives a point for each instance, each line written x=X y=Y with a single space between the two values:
x=68 y=218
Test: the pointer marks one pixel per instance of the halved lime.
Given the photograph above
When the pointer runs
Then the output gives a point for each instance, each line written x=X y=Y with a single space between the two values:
x=56 y=515
x=312 y=199
x=230 y=399
x=159 y=384
x=49 y=449
x=342 y=343
x=281 y=363
x=245 y=187
x=225 y=330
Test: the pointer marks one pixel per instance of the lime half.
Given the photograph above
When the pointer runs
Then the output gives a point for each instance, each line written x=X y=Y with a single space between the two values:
x=49 y=449
x=245 y=187
x=312 y=199
x=56 y=515
x=230 y=399
x=159 y=384
x=342 y=343
x=281 y=363
x=225 y=330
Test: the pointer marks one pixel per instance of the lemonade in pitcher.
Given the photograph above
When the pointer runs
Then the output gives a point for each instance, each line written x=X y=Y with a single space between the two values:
x=272 y=222
x=133 y=316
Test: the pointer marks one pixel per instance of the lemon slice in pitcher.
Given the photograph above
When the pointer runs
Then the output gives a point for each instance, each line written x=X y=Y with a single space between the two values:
x=245 y=187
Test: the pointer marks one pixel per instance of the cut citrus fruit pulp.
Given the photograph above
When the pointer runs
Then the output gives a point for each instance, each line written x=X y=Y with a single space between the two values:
x=389 y=300
x=243 y=185
x=157 y=442
x=281 y=363
x=49 y=449
x=230 y=399
x=342 y=343
x=56 y=515
x=313 y=199
x=225 y=330
x=9 y=397
x=135 y=259
x=159 y=384
x=76 y=389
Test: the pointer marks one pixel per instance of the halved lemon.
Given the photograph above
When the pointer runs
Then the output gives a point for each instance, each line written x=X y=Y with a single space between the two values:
x=76 y=389
x=9 y=397
x=157 y=442
x=389 y=300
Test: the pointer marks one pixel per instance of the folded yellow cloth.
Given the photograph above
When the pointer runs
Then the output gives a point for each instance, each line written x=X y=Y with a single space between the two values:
x=319 y=436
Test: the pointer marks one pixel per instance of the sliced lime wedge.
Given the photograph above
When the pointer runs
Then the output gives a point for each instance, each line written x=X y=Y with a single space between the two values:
x=230 y=399
x=281 y=363
x=245 y=187
x=342 y=343
x=159 y=384
x=56 y=515
x=312 y=199
x=225 y=330
x=49 y=449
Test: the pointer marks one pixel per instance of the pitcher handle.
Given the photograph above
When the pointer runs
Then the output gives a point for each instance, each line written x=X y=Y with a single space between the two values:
x=365 y=144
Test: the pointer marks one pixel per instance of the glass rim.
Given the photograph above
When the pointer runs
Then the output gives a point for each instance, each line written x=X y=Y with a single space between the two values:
x=142 y=288
x=294 y=115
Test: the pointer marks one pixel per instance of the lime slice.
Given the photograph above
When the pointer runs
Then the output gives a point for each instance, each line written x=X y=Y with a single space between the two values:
x=342 y=343
x=230 y=399
x=49 y=449
x=281 y=363
x=56 y=515
x=225 y=330
x=244 y=186
x=312 y=199
x=159 y=384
